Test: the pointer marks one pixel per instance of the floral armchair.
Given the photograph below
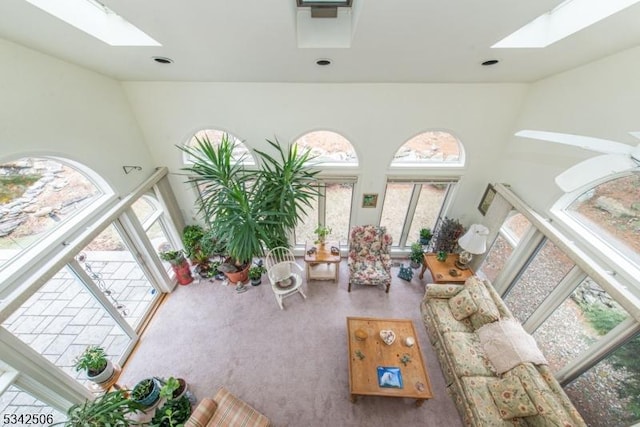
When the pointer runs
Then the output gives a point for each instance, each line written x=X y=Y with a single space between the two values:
x=369 y=260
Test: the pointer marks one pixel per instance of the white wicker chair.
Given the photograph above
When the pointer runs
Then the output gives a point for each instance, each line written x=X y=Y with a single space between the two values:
x=284 y=274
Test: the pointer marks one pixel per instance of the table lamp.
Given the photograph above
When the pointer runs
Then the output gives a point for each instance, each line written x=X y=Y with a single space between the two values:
x=473 y=242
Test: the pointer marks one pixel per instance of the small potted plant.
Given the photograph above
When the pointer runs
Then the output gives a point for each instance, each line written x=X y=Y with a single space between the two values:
x=173 y=413
x=94 y=362
x=425 y=236
x=322 y=232
x=179 y=264
x=416 y=255
x=146 y=392
x=111 y=409
x=442 y=256
x=191 y=237
x=173 y=388
x=255 y=274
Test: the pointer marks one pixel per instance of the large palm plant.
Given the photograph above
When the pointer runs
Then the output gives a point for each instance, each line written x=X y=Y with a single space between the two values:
x=251 y=209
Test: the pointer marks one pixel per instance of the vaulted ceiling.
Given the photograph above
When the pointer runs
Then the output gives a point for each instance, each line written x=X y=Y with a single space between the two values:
x=256 y=41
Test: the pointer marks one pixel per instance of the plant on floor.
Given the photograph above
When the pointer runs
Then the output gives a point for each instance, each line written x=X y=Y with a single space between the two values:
x=173 y=257
x=191 y=237
x=146 y=392
x=111 y=409
x=172 y=388
x=322 y=232
x=179 y=264
x=250 y=209
x=172 y=414
x=255 y=274
x=416 y=255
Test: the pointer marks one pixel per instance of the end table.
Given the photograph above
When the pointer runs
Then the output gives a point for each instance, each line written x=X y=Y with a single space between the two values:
x=322 y=264
x=441 y=270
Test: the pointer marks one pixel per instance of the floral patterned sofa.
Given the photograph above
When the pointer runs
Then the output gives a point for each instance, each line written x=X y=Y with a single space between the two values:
x=526 y=394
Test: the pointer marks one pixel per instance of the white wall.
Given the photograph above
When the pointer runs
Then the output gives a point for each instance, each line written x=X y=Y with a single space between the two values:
x=51 y=107
x=601 y=99
x=376 y=118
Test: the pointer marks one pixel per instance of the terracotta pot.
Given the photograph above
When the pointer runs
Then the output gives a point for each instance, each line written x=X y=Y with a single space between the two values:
x=183 y=273
x=239 y=276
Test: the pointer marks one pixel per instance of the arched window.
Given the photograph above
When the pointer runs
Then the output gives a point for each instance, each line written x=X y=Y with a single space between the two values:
x=241 y=153
x=329 y=148
x=39 y=196
x=432 y=148
x=610 y=211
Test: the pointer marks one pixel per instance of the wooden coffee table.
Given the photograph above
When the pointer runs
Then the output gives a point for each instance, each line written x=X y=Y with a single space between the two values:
x=441 y=270
x=322 y=264
x=366 y=356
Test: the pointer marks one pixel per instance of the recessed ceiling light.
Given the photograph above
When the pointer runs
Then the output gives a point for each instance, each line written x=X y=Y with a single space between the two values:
x=323 y=62
x=162 y=60
x=490 y=62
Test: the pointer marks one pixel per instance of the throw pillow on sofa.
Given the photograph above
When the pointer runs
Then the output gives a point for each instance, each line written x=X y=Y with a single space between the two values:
x=462 y=305
x=511 y=398
x=487 y=311
x=443 y=291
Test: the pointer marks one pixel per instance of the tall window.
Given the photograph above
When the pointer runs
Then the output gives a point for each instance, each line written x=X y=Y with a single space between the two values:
x=410 y=206
x=334 y=205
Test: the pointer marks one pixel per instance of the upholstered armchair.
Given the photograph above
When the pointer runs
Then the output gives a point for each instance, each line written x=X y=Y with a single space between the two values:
x=369 y=260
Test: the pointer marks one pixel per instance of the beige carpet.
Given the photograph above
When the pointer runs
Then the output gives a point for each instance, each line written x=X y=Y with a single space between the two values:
x=290 y=365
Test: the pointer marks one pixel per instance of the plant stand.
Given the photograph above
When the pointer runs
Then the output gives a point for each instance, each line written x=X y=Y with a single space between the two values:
x=111 y=382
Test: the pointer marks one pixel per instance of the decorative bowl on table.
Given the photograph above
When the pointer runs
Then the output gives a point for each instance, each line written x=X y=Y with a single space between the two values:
x=387 y=336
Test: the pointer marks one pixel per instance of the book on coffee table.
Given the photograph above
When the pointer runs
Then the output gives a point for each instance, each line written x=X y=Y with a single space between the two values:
x=389 y=376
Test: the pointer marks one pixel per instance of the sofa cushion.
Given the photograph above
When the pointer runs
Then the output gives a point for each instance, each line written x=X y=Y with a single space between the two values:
x=445 y=322
x=202 y=414
x=487 y=311
x=233 y=412
x=466 y=354
x=462 y=305
x=551 y=411
x=442 y=291
x=483 y=409
x=506 y=344
x=511 y=398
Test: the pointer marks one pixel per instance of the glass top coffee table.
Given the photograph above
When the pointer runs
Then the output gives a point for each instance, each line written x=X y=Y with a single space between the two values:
x=380 y=369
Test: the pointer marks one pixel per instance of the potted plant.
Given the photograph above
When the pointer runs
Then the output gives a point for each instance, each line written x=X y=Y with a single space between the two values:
x=94 y=362
x=173 y=413
x=111 y=409
x=255 y=274
x=173 y=388
x=146 y=392
x=416 y=255
x=191 y=238
x=425 y=236
x=322 y=232
x=250 y=209
x=447 y=235
x=179 y=264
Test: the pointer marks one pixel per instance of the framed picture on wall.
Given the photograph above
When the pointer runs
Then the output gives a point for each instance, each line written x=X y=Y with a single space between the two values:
x=487 y=198
x=369 y=200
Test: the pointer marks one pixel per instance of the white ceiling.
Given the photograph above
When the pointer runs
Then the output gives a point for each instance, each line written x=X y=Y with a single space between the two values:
x=255 y=41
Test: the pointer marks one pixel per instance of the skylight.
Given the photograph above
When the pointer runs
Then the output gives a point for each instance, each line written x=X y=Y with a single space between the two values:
x=565 y=19
x=97 y=20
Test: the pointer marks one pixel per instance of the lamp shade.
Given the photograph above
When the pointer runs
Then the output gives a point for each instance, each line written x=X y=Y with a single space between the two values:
x=474 y=240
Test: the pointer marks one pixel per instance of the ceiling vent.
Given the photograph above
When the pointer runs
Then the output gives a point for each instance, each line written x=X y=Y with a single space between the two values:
x=325 y=24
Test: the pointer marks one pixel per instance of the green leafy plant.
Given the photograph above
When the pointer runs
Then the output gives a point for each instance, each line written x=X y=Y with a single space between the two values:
x=416 y=253
x=169 y=387
x=110 y=409
x=191 y=238
x=251 y=209
x=172 y=414
x=322 y=232
x=425 y=235
x=173 y=257
x=93 y=360
x=143 y=389
x=256 y=272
